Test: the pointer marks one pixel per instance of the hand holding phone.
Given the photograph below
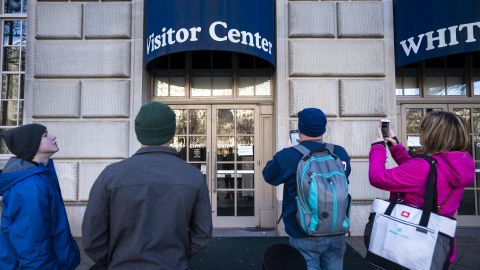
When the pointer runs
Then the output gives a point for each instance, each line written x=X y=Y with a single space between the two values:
x=385 y=126
x=294 y=137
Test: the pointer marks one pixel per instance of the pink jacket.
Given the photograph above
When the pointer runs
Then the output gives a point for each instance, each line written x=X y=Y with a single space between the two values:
x=455 y=171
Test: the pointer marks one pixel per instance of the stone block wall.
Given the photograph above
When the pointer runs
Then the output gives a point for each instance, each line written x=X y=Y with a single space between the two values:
x=84 y=82
x=338 y=57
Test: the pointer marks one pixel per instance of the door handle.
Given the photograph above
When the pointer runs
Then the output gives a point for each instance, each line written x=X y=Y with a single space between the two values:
x=214 y=179
x=207 y=161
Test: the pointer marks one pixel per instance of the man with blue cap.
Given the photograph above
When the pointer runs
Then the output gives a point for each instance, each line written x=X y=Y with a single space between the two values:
x=320 y=252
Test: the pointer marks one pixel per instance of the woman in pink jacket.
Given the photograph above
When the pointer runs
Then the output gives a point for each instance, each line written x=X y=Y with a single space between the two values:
x=443 y=136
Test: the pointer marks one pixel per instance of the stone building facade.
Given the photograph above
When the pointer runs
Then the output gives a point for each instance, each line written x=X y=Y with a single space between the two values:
x=85 y=79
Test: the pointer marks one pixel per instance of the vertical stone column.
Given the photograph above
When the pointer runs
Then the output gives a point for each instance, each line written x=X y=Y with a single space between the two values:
x=339 y=57
x=82 y=82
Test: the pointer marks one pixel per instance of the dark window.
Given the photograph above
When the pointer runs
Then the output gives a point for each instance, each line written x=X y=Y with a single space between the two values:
x=260 y=63
x=177 y=61
x=201 y=60
x=222 y=60
x=246 y=61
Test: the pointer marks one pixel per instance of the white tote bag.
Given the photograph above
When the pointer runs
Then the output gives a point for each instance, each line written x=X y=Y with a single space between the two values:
x=403 y=236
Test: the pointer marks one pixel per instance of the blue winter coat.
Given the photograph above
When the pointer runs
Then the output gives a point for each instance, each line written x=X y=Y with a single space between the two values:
x=35 y=233
x=282 y=169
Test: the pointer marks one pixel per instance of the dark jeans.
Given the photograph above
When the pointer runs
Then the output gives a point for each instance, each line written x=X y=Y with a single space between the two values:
x=321 y=253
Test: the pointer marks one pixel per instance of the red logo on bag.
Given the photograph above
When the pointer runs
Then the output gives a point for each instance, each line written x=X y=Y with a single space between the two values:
x=405 y=214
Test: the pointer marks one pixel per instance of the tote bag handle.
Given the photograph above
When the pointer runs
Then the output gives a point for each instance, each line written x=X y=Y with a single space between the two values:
x=430 y=200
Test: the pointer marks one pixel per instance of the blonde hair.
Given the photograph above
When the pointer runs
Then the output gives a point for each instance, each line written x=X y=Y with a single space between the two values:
x=442 y=132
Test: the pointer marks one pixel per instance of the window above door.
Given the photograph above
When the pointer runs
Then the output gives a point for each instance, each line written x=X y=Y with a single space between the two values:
x=453 y=76
x=211 y=75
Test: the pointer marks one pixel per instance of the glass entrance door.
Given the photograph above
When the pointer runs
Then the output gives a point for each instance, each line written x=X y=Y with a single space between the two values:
x=220 y=141
x=412 y=114
x=469 y=210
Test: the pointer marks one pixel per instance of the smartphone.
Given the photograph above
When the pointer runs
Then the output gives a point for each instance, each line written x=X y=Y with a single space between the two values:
x=294 y=137
x=385 y=127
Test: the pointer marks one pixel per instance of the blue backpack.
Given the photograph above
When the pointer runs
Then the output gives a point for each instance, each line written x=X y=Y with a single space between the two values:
x=323 y=202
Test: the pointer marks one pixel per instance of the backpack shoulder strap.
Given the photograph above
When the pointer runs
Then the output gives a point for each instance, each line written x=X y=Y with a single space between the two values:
x=302 y=149
x=330 y=147
x=326 y=147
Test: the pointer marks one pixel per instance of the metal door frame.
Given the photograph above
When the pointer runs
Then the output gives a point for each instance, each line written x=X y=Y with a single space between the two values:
x=229 y=221
x=236 y=221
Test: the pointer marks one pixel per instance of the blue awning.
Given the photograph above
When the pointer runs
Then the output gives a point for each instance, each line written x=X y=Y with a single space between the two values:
x=242 y=26
x=427 y=29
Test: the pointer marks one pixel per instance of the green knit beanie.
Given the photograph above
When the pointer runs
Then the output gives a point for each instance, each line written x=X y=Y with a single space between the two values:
x=155 y=124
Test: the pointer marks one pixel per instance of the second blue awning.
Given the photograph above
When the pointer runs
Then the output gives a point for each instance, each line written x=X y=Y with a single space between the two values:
x=431 y=28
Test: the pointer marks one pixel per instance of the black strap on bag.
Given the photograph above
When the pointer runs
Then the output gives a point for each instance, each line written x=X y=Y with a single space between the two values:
x=430 y=203
x=279 y=218
x=430 y=200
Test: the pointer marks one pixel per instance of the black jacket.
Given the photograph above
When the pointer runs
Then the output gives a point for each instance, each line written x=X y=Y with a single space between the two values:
x=150 y=211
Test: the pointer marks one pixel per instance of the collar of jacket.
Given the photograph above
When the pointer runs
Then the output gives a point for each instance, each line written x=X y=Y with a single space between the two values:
x=156 y=149
x=316 y=141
